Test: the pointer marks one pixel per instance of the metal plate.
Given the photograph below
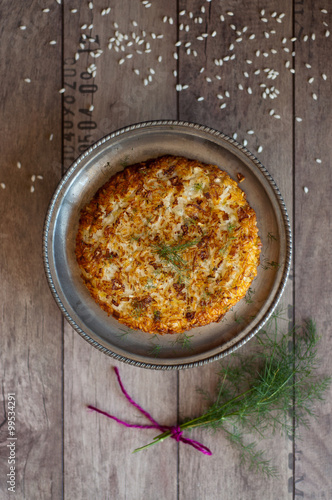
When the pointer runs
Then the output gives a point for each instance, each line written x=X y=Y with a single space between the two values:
x=91 y=170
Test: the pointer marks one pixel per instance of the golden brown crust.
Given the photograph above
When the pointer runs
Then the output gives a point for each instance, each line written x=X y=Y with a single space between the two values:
x=168 y=244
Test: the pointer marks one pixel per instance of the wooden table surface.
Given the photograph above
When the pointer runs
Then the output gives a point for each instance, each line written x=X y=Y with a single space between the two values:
x=264 y=70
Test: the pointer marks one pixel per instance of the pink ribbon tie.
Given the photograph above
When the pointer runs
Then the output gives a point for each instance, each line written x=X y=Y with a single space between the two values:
x=176 y=431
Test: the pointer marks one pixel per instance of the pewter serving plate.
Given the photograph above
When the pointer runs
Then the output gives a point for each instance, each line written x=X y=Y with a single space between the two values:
x=90 y=171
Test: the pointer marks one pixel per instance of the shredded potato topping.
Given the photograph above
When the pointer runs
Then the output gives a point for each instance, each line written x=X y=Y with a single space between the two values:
x=168 y=244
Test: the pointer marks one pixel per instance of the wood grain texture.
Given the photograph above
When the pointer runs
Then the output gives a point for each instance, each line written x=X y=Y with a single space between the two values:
x=313 y=272
x=30 y=353
x=98 y=451
x=236 y=85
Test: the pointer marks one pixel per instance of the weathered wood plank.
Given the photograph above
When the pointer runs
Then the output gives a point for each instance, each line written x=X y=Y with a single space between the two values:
x=313 y=272
x=31 y=338
x=98 y=451
x=234 y=103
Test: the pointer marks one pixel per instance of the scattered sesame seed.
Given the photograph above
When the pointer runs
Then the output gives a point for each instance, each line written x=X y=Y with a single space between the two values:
x=222 y=18
x=32 y=189
x=257 y=72
x=250 y=132
x=52 y=42
x=84 y=26
x=263 y=19
x=170 y=20
x=252 y=36
x=298 y=119
x=240 y=86
x=227 y=94
x=90 y=5
x=175 y=55
x=313 y=36
x=50 y=138
x=248 y=61
x=3 y=185
x=33 y=178
x=146 y=82
x=249 y=90
x=214 y=33
x=121 y=61
x=277 y=117
x=235 y=135
x=230 y=13
x=271 y=112
x=314 y=96
x=260 y=149
x=305 y=189
x=311 y=79
x=22 y=27
x=160 y=58
x=182 y=13
x=46 y=10
x=19 y=164
x=175 y=73
x=245 y=142
x=323 y=11
x=258 y=53
x=263 y=12
x=27 y=80
x=318 y=160
x=73 y=11
x=200 y=98
x=274 y=14
x=91 y=107
x=307 y=65
x=61 y=91
x=305 y=38
x=223 y=106
x=324 y=76
x=178 y=87
x=327 y=33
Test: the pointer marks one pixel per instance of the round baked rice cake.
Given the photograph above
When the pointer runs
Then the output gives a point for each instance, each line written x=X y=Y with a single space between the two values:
x=168 y=244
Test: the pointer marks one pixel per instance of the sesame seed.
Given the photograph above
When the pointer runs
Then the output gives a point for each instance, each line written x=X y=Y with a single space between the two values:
x=274 y=51
x=266 y=34
x=245 y=142
x=52 y=42
x=252 y=36
x=318 y=160
x=27 y=80
x=121 y=61
x=19 y=164
x=3 y=185
x=200 y=98
x=175 y=73
x=223 y=106
x=170 y=20
x=214 y=33
x=327 y=33
x=175 y=55
x=91 y=5
x=258 y=53
x=50 y=138
x=298 y=119
x=178 y=87
x=146 y=82
x=201 y=70
x=240 y=86
x=307 y=65
x=248 y=61
x=73 y=11
x=91 y=107
x=274 y=14
x=250 y=132
x=287 y=64
x=305 y=38
x=227 y=94
x=314 y=96
x=208 y=79
x=160 y=58
x=311 y=80
x=220 y=96
x=22 y=27
x=257 y=72
x=230 y=13
x=84 y=26
x=165 y=19
x=238 y=40
x=61 y=91
x=260 y=149
x=235 y=135
x=33 y=178
x=282 y=15
x=277 y=117
x=271 y=112
x=222 y=18
x=32 y=189
x=263 y=19
x=323 y=11
x=182 y=13
x=305 y=189
x=324 y=76
x=313 y=36
x=249 y=90
x=246 y=74
x=46 y=10
x=262 y=12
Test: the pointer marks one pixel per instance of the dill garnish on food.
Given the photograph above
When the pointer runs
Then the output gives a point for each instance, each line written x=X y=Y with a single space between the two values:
x=172 y=253
x=273 y=389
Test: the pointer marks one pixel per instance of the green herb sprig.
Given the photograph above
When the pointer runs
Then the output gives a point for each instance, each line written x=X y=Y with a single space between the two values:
x=172 y=253
x=270 y=390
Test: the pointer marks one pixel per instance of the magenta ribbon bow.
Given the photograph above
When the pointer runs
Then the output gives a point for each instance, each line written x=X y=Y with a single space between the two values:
x=176 y=432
